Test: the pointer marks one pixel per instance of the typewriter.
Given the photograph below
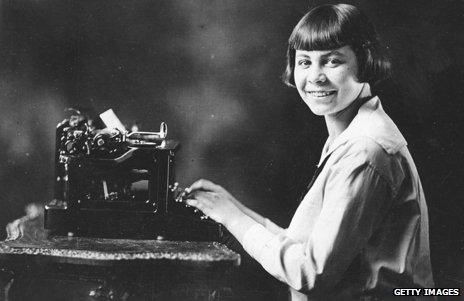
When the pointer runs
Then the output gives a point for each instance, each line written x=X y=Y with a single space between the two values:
x=113 y=183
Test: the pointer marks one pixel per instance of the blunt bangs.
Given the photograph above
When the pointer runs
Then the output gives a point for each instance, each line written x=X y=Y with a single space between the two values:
x=319 y=30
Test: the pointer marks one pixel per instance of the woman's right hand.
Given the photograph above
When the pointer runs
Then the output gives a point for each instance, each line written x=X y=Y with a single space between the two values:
x=214 y=201
x=210 y=186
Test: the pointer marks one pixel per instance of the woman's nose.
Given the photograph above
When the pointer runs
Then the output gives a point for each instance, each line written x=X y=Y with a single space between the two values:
x=316 y=75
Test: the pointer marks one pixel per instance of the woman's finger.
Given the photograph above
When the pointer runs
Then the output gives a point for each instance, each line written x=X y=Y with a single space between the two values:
x=203 y=185
x=200 y=205
x=208 y=211
x=204 y=198
x=192 y=202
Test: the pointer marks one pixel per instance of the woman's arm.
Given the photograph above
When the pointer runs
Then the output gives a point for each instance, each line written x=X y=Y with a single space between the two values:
x=207 y=186
x=257 y=217
x=356 y=197
x=267 y=223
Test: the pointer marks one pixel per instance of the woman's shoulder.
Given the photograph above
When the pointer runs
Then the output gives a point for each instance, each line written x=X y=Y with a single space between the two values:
x=366 y=151
x=372 y=122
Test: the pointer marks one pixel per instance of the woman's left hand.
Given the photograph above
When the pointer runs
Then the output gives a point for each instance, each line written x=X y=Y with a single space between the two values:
x=214 y=201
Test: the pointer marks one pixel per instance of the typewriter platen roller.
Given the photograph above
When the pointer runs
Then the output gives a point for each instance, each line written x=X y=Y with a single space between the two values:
x=119 y=184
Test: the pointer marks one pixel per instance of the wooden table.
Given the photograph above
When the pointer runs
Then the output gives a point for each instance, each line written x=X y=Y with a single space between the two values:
x=38 y=267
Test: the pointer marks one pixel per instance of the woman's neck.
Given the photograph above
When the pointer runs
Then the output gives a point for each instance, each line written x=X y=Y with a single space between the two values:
x=338 y=122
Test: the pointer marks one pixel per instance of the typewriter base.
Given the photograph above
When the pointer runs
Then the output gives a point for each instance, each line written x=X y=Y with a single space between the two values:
x=133 y=225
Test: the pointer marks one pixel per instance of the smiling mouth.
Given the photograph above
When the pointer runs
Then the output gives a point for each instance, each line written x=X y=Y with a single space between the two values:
x=320 y=93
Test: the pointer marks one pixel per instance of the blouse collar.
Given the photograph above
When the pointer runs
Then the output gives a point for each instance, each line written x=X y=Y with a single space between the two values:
x=371 y=121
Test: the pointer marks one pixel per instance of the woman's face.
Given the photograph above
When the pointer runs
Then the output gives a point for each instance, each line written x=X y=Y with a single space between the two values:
x=327 y=80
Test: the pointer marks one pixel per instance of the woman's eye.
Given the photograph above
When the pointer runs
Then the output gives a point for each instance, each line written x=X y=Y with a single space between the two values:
x=304 y=63
x=333 y=62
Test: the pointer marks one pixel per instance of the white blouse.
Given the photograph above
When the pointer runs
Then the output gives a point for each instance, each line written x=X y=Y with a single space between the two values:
x=362 y=229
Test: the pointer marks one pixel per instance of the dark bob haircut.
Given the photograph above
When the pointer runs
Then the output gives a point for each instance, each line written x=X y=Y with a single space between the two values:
x=329 y=27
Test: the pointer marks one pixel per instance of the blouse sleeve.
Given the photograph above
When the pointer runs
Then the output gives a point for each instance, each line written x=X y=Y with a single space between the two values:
x=356 y=197
x=272 y=227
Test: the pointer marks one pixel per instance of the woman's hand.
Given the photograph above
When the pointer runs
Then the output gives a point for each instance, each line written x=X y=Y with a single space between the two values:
x=214 y=201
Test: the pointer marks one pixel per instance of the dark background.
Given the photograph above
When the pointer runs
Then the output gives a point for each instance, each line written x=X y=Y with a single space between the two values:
x=211 y=70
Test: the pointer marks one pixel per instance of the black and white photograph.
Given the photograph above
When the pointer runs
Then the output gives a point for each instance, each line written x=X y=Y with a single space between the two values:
x=231 y=150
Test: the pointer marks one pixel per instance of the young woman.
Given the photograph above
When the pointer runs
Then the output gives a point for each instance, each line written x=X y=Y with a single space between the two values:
x=362 y=228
